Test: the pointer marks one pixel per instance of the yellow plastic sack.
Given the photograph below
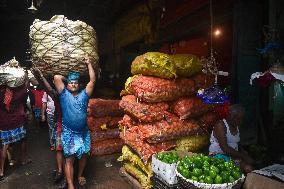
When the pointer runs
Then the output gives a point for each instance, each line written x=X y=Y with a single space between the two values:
x=128 y=155
x=186 y=64
x=192 y=143
x=154 y=64
x=142 y=178
x=126 y=91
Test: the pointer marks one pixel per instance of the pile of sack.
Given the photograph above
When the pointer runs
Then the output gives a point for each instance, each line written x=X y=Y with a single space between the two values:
x=103 y=118
x=161 y=107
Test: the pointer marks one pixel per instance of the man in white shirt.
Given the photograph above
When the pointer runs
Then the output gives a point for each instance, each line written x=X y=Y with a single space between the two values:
x=49 y=108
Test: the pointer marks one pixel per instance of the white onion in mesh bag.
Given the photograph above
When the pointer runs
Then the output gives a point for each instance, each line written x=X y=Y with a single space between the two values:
x=60 y=45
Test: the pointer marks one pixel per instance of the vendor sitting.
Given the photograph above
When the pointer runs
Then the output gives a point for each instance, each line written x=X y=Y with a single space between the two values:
x=225 y=138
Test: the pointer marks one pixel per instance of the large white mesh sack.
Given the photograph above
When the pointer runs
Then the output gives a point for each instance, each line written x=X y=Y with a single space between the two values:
x=59 y=45
x=11 y=74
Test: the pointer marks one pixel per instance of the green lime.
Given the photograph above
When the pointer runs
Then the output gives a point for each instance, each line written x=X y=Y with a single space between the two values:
x=201 y=180
x=221 y=166
x=231 y=179
x=194 y=178
x=205 y=158
x=196 y=172
x=201 y=177
x=208 y=180
x=206 y=170
x=185 y=173
x=206 y=163
x=186 y=165
x=212 y=167
x=225 y=176
x=212 y=174
x=236 y=174
x=180 y=168
x=198 y=162
x=160 y=156
x=218 y=180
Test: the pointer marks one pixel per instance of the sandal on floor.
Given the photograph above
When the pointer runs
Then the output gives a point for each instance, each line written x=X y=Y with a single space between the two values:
x=12 y=162
x=63 y=184
x=1 y=178
x=82 y=181
x=58 y=176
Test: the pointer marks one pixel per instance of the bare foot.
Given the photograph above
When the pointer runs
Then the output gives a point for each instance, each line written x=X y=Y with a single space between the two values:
x=82 y=181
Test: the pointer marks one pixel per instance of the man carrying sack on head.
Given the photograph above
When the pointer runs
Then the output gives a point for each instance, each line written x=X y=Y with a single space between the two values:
x=75 y=135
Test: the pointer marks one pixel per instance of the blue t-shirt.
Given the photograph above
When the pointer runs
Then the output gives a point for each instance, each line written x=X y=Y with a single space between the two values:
x=74 y=110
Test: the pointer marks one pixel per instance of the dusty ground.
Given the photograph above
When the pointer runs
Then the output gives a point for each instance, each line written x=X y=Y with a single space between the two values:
x=38 y=174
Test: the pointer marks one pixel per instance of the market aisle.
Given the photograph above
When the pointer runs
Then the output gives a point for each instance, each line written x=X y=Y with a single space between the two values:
x=38 y=174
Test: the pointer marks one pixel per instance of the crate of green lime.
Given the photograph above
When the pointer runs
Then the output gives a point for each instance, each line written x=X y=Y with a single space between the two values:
x=202 y=171
x=164 y=165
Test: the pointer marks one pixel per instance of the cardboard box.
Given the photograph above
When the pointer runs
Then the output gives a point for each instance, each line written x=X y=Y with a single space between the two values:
x=264 y=178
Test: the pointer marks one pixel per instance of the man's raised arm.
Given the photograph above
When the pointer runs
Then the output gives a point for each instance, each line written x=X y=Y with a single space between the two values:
x=58 y=82
x=92 y=75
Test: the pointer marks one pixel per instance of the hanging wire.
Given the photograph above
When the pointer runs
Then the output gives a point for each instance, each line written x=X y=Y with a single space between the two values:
x=212 y=59
x=211 y=30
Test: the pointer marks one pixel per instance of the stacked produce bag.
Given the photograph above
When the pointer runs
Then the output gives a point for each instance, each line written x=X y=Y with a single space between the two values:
x=59 y=45
x=161 y=106
x=11 y=74
x=103 y=117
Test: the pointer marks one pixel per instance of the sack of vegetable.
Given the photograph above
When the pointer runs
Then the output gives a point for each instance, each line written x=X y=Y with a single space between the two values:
x=59 y=45
x=11 y=74
x=153 y=89
x=192 y=143
x=189 y=107
x=131 y=157
x=144 y=112
x=154 y=64
x=186 y=64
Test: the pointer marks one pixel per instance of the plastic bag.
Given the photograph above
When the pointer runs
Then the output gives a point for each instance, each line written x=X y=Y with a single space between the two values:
x=186 y=64
x=154 y=64
x=128 y=155
x=143 y=179
x=192 y=143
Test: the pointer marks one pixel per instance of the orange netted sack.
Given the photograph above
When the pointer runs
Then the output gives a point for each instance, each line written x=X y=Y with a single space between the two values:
x=145 y=112
x=102 y=123
x=101 y=108
x=106 y=147
x=189 y=107
x=153 y=89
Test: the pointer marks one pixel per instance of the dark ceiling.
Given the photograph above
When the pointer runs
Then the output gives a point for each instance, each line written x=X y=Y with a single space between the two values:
x=15 y=19
x=94 y=12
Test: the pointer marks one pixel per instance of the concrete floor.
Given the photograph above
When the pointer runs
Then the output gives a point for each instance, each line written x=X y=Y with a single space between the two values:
x=38 y=174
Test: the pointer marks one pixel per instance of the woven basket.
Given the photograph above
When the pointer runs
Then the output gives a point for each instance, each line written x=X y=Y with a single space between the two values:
x=60 y=45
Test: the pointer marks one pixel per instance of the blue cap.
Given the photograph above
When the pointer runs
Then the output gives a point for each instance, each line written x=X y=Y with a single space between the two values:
x=73 y=76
